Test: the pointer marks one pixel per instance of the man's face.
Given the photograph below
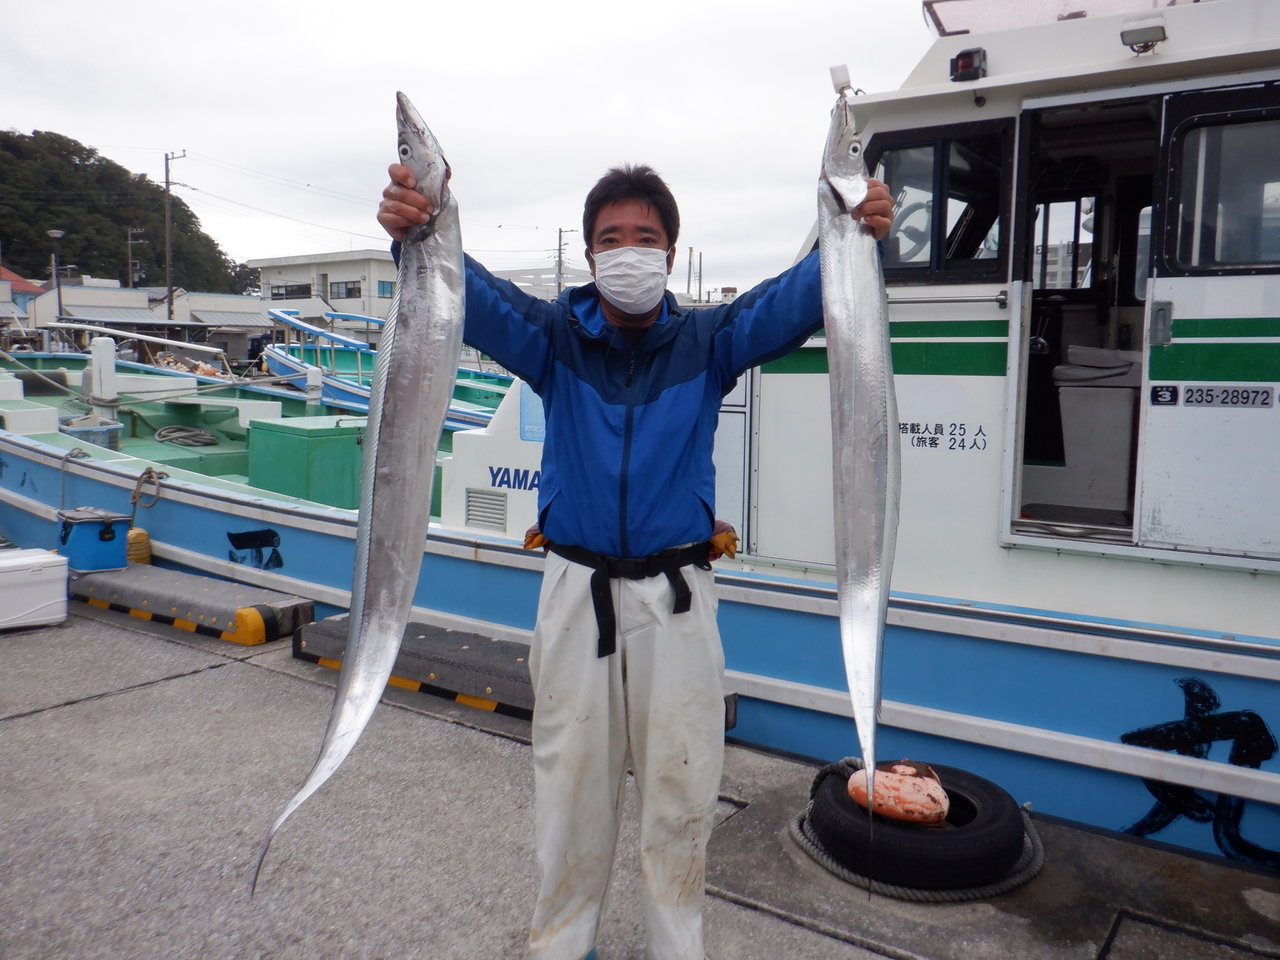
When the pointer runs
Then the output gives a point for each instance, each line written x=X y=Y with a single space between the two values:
x=628 y=223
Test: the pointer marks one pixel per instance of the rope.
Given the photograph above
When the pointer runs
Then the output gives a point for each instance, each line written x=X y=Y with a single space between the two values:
x=30 y=369
x=185 y=436
x=200 y=388
x=152 y=476
x=75 y=453
x=138 y=546
x=1028 y=865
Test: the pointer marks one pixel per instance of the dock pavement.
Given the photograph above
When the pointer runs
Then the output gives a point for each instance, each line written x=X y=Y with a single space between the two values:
x=141 y=765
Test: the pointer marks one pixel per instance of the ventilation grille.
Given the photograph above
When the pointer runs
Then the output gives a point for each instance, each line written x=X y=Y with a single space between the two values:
x=486 y=508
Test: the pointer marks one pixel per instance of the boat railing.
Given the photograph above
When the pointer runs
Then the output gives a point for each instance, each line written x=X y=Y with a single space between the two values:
x=324 y=341
x=356 y=317
x=1001 y=299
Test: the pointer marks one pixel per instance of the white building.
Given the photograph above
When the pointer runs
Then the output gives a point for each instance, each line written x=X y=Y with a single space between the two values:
x=355 y=281
x=232 y=320
x=92 y=299
x=226 y=321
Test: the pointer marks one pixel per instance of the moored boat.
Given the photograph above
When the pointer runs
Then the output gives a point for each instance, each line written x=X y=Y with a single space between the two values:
x=345 y=367
x=1082 y=285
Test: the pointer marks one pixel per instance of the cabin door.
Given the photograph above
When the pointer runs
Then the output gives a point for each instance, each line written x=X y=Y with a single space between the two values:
x=1088 y=170
x=1208 y=467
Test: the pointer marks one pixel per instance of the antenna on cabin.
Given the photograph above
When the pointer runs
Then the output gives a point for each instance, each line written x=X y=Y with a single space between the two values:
x=840 y=79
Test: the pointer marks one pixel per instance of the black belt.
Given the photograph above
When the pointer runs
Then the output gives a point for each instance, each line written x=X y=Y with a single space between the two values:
x=605 y=568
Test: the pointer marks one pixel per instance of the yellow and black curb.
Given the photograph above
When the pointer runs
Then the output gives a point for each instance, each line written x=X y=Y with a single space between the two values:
x=467 y=668
x=214 y=608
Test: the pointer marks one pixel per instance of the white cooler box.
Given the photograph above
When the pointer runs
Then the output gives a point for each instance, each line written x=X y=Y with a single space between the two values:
x=33 y=588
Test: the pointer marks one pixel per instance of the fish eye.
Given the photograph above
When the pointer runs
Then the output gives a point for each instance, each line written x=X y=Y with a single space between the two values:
x=405 y=152
x=855 y=148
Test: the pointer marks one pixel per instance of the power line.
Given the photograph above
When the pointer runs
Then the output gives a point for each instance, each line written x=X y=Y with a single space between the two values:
x=281 y=216
x=282 y=181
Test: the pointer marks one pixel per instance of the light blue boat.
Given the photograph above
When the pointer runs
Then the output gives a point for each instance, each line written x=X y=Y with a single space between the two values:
x=345 y=367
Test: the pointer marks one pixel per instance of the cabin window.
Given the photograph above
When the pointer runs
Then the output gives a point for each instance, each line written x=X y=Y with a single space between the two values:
x=344 y=290
x=951 y=217
x=909 y=174
x=973 y=227
x=290 y=291
x=1229 y=197
x=1064 y=244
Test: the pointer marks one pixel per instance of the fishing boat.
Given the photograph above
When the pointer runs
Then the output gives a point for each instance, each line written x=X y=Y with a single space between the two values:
x=345 y=367
x=1083 y=278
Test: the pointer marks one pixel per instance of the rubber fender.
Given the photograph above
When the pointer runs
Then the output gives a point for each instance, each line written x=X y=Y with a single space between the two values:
x=978 y=843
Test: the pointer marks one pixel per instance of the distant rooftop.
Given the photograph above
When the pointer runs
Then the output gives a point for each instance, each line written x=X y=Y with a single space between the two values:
x=20 y=283
x=950 y=17
x=382 y=253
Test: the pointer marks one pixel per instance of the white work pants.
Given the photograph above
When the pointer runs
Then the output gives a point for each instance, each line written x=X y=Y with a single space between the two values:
x=661 y=693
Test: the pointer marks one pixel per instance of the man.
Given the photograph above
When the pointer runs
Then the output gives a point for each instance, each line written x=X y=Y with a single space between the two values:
x=626 y=659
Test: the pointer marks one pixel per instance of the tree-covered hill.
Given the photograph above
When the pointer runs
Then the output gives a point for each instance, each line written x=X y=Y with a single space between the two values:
x=48 y=181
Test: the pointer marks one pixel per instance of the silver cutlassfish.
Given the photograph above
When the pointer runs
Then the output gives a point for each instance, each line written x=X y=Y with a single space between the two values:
x=864 y=429
x=413 y=382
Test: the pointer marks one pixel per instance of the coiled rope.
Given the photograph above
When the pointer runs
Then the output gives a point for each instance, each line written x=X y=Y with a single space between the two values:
x=1028 y=865
x=184 y=436
x=152 y=476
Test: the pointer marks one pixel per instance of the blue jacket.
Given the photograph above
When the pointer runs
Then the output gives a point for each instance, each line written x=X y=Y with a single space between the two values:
x=626 y=463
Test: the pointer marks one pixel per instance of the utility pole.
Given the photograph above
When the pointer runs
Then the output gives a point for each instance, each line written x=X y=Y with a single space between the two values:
x=168 y=230
x=688 y=280
x=55 y=266
x=699 y=277
x=560 y=258
x=130 y=263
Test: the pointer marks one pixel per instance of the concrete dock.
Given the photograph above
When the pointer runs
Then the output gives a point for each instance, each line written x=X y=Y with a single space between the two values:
x=141 y=765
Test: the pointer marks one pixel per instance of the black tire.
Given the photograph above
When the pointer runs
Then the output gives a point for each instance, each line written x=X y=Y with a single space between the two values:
x=978 y=844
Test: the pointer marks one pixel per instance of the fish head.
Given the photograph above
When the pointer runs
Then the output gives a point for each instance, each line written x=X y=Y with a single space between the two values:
x=844 y=170
x=419 y=150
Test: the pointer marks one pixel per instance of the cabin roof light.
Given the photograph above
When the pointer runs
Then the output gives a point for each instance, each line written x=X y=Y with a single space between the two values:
x=969 y=64
x=1143 y=39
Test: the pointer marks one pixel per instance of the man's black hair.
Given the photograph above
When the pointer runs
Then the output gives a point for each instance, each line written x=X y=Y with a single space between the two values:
x=628 y=182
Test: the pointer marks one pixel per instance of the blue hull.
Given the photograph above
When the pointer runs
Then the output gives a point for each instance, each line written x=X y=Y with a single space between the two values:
x=1042 y=710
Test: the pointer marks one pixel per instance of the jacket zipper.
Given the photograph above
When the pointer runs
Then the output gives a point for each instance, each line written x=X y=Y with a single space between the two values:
x=624 y=543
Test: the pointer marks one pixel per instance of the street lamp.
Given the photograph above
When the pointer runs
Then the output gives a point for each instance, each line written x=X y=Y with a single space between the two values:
x=57 y=236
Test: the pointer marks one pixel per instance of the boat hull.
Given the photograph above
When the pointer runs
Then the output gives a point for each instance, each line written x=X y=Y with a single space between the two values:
x=1038 y=705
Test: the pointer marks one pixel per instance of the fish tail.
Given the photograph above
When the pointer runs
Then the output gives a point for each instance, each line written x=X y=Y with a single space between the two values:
x=308 y=788
x=262 y=857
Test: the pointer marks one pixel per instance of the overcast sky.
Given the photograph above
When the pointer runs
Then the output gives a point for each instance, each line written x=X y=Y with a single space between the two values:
x=286 y=110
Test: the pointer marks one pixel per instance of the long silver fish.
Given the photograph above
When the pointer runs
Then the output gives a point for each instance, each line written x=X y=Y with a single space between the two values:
x=864 y=428
x=413 y=382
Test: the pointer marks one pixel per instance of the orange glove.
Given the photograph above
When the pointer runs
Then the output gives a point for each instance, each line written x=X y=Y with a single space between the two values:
x=724 y=541
x=533 y=538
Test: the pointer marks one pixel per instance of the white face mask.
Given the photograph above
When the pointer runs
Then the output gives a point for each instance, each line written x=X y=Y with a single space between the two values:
x=633 y=279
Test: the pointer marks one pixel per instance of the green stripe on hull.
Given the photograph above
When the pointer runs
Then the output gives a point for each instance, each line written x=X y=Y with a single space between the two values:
x=951 y=359
x=799 y=361
x=928 y=359
x=1226 y=327
x=1244 y=362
